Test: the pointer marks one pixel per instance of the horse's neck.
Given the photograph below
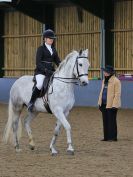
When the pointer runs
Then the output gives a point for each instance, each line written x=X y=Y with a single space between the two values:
x=67 y=70
x=65 y=75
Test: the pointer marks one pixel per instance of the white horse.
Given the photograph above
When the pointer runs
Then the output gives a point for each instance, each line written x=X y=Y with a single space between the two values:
x=60 y=99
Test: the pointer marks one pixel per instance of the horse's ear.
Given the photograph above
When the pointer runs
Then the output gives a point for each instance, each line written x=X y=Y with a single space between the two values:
x=80 y=52
x=85 y=53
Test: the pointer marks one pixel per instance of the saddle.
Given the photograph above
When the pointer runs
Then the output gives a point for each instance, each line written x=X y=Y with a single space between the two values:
x=43 y=94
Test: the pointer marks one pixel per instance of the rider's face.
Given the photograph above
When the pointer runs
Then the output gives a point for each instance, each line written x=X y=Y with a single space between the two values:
x=49 y=41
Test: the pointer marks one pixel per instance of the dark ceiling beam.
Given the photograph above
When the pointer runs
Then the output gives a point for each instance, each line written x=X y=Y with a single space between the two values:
x=29 y=7
x=34 y=8
x=94 y=6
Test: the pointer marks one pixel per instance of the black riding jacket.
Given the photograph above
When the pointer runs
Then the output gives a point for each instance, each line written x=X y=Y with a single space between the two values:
x=45 y=61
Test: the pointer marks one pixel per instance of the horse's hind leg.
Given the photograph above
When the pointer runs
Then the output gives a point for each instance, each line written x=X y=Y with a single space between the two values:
x=56 y=133
x=16 y=125
x=27 y=122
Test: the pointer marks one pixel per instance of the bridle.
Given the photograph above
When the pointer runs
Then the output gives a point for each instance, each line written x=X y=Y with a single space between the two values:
x=78 y=74
x=76 y=63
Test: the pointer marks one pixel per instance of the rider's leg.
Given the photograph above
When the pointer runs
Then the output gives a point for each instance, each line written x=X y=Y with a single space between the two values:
x=36 y=91
x=48 y=75
x=34 y=96
x=45 y=84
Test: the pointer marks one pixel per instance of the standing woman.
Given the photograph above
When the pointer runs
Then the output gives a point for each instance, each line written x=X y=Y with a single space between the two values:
x=109 y=102
x=46 y=56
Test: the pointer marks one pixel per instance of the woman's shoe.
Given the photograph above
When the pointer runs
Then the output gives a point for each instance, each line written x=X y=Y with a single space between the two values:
x=112 y=140
x=104 y=140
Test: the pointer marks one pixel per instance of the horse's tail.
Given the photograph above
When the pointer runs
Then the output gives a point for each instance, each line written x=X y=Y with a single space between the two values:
x=12 y=116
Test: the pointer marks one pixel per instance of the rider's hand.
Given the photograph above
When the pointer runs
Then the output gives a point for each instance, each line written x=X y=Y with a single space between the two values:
x=48 y=72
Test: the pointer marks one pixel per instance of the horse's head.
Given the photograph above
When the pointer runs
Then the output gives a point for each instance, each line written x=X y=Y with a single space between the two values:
x=81 y=67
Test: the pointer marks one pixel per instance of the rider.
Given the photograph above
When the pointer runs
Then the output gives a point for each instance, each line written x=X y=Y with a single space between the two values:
x=45 y=57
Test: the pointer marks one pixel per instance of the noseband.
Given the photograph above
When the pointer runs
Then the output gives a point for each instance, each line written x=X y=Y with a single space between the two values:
x=76 y=64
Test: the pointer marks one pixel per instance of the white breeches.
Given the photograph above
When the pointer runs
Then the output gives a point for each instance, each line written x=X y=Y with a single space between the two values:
x=39 y=80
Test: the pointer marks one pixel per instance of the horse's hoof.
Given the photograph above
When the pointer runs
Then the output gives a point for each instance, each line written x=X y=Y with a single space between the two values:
x=32 y=147
x=18 y=150
x=69 y=152
x=54 y=152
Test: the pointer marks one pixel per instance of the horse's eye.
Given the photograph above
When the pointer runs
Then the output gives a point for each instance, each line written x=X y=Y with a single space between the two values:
x=80 y=64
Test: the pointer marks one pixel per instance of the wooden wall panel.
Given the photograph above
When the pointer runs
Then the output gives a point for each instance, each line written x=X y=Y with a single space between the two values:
x=75 y=35
x=23 y=36
x=21 y=39
x=123 y=36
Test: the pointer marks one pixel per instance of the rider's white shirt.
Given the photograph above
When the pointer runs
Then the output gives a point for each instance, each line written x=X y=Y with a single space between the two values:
x=49 y=48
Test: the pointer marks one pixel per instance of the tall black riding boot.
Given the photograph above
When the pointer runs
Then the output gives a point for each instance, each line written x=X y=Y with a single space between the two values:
x=45 y=84
x=35 y=95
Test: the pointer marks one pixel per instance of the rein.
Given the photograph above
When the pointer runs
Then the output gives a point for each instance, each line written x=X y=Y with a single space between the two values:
x=59 y=78
x=79 y=75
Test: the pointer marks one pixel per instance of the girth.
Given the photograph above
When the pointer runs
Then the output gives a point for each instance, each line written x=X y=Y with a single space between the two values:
x=41 y=95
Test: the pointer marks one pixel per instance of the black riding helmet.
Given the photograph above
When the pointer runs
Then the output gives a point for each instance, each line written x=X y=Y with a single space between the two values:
x=49 y=34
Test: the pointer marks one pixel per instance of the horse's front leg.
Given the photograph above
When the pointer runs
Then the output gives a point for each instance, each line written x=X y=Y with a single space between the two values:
x=53 y=141
x=61 y=117
x=27 y=121
x=70 y=148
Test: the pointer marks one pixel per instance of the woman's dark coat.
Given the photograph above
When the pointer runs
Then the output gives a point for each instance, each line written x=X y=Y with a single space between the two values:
x=45 y=61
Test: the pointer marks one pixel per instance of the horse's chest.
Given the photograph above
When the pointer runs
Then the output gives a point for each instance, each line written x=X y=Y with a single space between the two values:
x=62 y=100
x=65 y=100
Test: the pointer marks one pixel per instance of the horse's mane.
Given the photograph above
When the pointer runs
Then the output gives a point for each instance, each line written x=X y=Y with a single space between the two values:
x=64 y=62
